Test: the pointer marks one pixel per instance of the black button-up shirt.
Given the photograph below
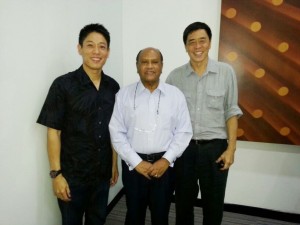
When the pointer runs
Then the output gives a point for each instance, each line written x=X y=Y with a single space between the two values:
x=82 y=113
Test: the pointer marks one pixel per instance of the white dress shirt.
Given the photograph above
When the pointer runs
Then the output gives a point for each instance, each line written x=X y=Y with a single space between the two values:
x=145 y=122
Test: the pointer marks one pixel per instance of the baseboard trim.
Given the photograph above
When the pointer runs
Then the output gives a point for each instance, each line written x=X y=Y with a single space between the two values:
x=260 y=212
x=116 y=199
x=241 y=209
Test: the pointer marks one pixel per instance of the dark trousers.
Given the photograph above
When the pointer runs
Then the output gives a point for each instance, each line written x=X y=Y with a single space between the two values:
x=89 y=201
x=197 y=168
x=140 y=193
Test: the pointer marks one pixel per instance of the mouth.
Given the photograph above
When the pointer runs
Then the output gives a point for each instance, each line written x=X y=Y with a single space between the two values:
x=150 y=73
x=199 y=53
x=96 y=59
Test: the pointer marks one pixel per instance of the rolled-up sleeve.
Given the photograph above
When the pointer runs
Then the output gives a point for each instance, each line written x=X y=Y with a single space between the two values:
x=231 y=101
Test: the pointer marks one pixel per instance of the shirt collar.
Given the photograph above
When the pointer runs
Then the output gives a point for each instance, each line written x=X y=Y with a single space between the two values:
x=84 y=78
x=140 y=87
x=211 y=67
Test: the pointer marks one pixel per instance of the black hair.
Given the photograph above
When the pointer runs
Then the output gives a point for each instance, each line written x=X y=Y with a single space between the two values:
x=196 y=26
x=94 y=27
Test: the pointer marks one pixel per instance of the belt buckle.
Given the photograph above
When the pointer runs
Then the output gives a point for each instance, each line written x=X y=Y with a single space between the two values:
x=150 y=158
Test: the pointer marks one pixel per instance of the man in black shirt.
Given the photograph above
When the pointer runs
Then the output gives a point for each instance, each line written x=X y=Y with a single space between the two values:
x=77 y=112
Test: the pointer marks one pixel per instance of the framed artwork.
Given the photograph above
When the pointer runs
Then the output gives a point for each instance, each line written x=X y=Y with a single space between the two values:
x=261 y=40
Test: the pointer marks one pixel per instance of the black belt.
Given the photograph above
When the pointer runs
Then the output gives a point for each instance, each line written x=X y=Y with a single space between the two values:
x=151 y=157
x=198 y=142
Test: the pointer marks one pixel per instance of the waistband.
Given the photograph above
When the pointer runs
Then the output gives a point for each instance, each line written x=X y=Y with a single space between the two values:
x=199 y=142
x=151 y=157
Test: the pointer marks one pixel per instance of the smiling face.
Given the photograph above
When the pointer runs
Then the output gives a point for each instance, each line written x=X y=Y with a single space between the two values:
x=94 y=52
x=149 y=66
x=197 y=46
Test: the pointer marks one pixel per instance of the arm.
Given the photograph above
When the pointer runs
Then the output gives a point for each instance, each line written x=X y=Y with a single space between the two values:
x=232 y=113
x=115 y=171
x=59 y=184
x=228 y=156
x=118 y=132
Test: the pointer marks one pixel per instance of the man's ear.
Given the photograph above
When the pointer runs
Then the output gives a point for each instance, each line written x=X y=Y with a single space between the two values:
x=79 y=49
x=108 y=50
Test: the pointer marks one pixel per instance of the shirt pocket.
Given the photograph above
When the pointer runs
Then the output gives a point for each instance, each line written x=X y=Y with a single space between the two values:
x=215 y=99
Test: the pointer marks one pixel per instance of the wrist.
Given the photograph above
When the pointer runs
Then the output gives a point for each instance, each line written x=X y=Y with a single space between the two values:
x=54 y=173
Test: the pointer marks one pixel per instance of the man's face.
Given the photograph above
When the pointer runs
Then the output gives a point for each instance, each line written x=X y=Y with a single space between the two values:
x=149 y=66
x=197 y=46
x=94 y=51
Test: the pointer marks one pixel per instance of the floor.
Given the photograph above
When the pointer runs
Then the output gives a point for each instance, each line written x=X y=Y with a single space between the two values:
x=117 y=216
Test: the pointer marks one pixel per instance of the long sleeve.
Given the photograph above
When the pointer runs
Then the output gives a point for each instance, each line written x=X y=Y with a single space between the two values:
x=118 y=131
x=150 y=122
x=182 y=132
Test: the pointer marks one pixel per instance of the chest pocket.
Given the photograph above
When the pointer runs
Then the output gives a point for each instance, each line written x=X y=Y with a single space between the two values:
x=215 y=99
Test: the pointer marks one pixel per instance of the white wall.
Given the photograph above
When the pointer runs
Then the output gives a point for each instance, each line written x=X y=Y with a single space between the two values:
x=38 y=42
x=160 y=24
x=266 y=176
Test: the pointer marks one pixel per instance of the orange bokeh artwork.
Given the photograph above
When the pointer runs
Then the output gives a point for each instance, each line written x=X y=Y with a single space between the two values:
x=260 y=39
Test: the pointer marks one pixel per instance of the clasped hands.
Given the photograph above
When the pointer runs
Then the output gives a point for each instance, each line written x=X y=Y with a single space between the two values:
x=155 y=170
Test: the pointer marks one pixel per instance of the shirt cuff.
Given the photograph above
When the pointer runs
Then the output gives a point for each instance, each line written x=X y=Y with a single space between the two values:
x=170 y=157
x=133 y=160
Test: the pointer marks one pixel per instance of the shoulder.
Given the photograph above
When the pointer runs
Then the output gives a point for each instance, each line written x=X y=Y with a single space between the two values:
x=64 y=80
x=173 y=91
x=111 y=81
x=176 y=74
x=127 y=90
x=221 y=66
x=177 y=71
x=222 y=69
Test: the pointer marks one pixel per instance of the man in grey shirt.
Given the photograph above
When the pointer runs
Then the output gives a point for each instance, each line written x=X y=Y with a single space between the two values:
x=210 y=89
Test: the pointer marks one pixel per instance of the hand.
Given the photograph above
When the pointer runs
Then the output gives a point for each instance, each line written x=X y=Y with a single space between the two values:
x=159 y=168
x=227 y=158
x=144 y=168
x=61 y=188
x=115 y=175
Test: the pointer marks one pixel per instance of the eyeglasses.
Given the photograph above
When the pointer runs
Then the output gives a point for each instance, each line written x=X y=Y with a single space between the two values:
x=147 y=130
x=144 y=126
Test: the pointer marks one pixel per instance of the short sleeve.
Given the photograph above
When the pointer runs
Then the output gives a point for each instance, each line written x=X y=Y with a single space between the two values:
x=53 y=110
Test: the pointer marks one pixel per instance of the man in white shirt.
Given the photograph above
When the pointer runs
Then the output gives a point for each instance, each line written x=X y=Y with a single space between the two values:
x=150 y=128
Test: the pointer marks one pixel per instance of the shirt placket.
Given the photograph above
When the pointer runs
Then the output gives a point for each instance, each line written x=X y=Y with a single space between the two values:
x=152 y=119
x=99 y=121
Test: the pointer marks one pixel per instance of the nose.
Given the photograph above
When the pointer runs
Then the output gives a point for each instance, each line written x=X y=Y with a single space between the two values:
x=149 y=64
x=198 y=44
x=96 y=49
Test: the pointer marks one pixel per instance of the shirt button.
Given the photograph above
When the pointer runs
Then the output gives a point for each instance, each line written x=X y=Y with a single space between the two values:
x=99 y=108
x=99 y=136
x=100 y=122
x=98 y=149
